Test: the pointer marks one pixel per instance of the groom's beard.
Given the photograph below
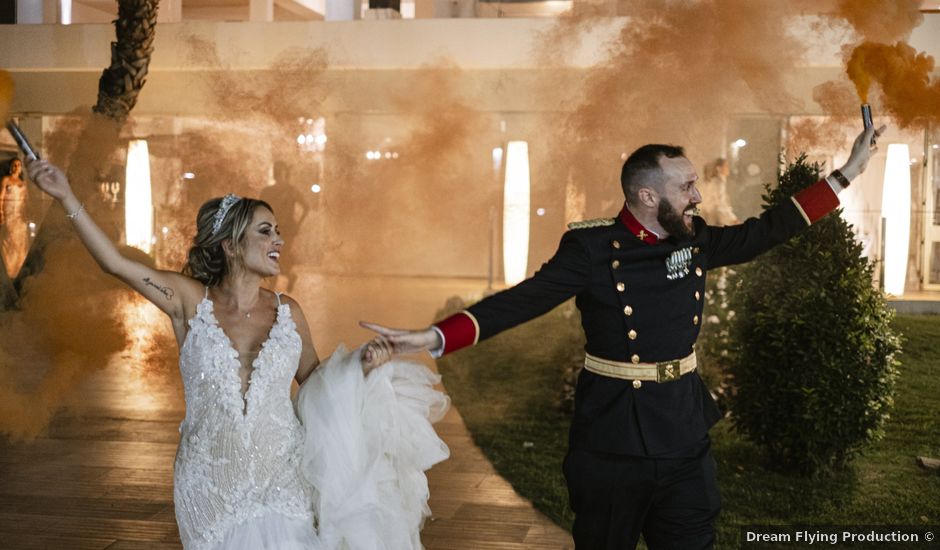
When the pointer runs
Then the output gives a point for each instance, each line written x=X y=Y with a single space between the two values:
x=671 y=220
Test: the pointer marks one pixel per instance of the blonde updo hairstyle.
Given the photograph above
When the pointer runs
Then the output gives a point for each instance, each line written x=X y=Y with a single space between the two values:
x=206 y=260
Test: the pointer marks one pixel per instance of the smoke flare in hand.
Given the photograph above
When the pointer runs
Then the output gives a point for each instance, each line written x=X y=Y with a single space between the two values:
x=904 y=77
x=885 y=58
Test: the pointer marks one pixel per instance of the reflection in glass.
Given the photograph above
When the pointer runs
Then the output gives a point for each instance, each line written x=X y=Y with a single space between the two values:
x=935 y=184
x=14 y=227
x=934 y=277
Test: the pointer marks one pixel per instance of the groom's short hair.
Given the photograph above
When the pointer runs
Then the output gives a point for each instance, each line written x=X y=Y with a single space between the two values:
x=642 y=168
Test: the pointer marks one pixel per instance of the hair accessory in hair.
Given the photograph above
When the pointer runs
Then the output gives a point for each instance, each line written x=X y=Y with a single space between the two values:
x=228 y=201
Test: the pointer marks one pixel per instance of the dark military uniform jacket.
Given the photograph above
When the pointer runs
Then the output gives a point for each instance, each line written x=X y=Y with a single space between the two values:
x=641 y=302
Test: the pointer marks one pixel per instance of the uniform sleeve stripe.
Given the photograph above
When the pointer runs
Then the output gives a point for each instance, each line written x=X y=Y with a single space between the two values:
x=460 y=330
x=476 y=326
x=800 y=209
x=816 y=201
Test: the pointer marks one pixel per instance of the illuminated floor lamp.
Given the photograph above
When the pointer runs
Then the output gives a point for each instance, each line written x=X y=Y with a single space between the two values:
x=516 y=212
x=138 y=204
x=896 y=210
x=65 y=12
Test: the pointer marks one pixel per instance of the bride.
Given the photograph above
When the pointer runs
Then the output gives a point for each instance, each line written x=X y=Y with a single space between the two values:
x=340 y=468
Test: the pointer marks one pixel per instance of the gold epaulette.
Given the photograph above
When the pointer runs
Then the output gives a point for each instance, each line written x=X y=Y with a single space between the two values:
x=596 y=222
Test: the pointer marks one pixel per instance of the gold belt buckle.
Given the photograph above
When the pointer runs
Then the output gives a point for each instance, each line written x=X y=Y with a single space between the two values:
x=667 y=371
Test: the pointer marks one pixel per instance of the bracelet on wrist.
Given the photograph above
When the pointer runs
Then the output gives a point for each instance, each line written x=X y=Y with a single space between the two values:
x=72 y=215
x=840 y=177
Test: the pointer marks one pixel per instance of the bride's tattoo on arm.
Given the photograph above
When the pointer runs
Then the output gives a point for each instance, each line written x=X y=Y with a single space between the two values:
x=165 y=290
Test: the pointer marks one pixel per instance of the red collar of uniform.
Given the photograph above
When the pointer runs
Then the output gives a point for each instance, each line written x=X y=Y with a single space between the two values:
x=629 y=220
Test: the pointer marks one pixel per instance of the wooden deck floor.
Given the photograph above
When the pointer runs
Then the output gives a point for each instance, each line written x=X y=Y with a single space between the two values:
x=101 y=478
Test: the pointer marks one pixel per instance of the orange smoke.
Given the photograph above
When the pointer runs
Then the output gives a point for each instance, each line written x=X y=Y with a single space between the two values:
x=6 y=94
x=430 y=124
x=677 y=72
x=884 y=57
x=904 y=77
x=858 y=72
x=70 y=317
x=881 y=20
x=67 y=328
x=839 y=99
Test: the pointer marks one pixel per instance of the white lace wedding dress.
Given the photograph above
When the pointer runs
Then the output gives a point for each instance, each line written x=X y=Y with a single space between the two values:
x=342 y=467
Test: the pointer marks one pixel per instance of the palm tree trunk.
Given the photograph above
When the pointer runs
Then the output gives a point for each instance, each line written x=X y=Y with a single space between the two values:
x=130 y=59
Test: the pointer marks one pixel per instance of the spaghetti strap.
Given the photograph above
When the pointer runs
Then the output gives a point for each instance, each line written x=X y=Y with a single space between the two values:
x=278 y=295
x=207 y=292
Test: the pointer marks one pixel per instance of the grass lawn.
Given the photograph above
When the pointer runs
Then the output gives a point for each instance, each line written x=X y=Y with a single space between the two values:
x=507 y=389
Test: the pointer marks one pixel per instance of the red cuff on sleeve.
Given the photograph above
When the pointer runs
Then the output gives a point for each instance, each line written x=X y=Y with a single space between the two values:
x=816 y=201
x=460 y=330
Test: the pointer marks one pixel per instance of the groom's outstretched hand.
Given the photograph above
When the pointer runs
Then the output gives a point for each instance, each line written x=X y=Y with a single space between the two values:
x=407 y=341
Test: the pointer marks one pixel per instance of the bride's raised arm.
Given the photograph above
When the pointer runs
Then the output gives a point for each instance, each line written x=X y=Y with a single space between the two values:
x=166 y=289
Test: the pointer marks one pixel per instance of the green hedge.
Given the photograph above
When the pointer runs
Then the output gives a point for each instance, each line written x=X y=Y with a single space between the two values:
x=812 y=356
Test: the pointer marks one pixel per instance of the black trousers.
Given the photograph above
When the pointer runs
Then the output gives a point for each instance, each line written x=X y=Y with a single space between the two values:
x=672 y=502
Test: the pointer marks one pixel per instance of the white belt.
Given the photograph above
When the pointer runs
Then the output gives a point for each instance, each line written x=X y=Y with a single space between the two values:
x=662 y=371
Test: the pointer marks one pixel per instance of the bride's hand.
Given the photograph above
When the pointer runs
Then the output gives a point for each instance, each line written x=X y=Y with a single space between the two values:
x=376 y=353
x=49 y=179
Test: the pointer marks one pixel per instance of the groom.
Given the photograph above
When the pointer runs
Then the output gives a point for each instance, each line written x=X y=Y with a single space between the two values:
x=639 y=459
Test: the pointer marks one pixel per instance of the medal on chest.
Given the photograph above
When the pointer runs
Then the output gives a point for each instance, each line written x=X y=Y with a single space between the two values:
x=678 y=263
